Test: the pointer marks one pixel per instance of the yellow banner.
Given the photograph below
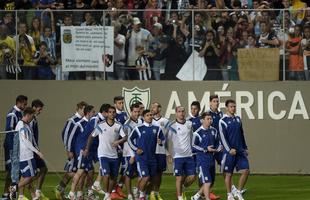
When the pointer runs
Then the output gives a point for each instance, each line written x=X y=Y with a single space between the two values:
x=259 y=64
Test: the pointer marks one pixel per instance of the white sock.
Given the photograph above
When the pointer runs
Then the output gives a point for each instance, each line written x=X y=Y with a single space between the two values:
x=79 y=194
x=97 y=184
x=180 y=198
x=120 y=185
x=229 y=194
x=141 y=194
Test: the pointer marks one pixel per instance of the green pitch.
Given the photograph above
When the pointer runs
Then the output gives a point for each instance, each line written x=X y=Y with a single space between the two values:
x=258 y=187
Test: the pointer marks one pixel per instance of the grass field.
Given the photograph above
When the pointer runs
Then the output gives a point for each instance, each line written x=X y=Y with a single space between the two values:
x=259 y=187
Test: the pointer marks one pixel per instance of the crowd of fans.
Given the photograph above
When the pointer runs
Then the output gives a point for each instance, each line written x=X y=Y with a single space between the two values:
x=154 y=38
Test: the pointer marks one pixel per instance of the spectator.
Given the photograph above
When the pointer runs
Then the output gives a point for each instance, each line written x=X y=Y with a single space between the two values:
x=48 y=33
x=44 y=59
x=26 y=50
x=151 y=15
x=43 y=4
x=23 y=4
x=35 y=31
x=136 y=36
x=88 y=19
x=176 y=56
x=79 y=4
x=7 y=53
x=9 y=22
x=298 y=10
x=7 y=5
x=306 y=20
x=100 y=4
x=211 y=53
x=296 y=65
x=267 y=39
x=142 y=64
x=156 y=49
x=305 y=44
x=251 y=43
x=119 y=52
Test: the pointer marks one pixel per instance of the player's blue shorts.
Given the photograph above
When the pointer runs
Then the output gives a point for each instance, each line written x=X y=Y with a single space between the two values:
x=109 y=166
x=161 y=160
x=184 y=166
x=40 y=163
x=71 y=165
x=147 y=169
x=239 y=161
x=28 y=168
x=84 y=163
x=127 y=168
x=206 y=173
x=7 y=159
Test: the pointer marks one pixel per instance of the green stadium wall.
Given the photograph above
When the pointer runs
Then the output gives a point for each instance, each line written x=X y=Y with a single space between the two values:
x=275 y=114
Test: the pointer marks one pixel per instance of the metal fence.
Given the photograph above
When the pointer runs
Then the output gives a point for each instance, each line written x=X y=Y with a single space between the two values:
x=208 y=42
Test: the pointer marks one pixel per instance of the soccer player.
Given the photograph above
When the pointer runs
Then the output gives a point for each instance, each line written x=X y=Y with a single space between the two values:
x=108 y=133
x=129 y=164
x=27 y=162
x=60 y=188
x=143 y=140
x=121 y=115
x=206 y=142
x=84 y=164
x=235 y=154
x=37 y=105
x=12 y=118
x=94 y=121
x=180 y=133
x=161 y=157
x=194 y=115
x=216 y=115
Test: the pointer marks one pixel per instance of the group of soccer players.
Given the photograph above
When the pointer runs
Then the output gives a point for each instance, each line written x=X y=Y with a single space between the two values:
x=22 y=155
x=138 y=145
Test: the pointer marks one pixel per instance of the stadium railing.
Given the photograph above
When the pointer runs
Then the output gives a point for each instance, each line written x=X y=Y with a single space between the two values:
x=229 y=56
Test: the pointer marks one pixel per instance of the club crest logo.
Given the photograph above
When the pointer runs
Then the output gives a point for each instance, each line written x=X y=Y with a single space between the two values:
x=67 y=36
x=134 y=95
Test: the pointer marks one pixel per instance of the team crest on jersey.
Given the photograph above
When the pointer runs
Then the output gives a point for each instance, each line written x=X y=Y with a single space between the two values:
x=116 y=130
x=134 y=95
x=162 y=124
x=190 y=126
x=238 y=120
x=67 y=36
x=154 y=131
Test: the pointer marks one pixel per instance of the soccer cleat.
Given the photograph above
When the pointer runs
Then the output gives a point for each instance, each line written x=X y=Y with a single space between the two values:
x=159 y=197
x=213 y=196
x=152 y=196
x=23 y=198
x=119 y=191
x=243 y=191
x=97 y=189
x=230 y=197
x=115 y=195
x=130 y=197
x=239 y=195
x=60 y=193
x=184 y=196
